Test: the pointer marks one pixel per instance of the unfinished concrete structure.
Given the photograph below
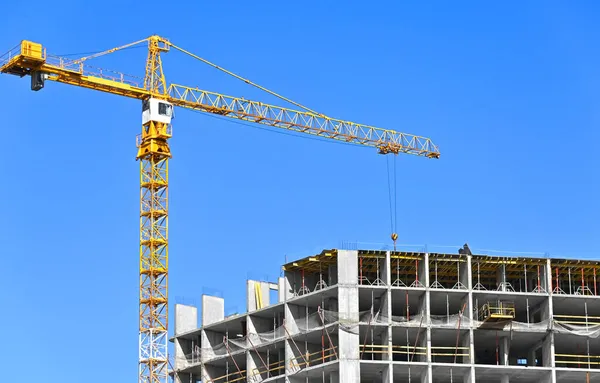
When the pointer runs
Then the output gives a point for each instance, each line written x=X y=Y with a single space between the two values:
x=395 y=316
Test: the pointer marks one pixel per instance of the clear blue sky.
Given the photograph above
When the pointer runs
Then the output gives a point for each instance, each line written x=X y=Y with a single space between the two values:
x=509 y=93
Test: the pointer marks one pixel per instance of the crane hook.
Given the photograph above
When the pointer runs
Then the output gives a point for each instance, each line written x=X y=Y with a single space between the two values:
x=394 y=238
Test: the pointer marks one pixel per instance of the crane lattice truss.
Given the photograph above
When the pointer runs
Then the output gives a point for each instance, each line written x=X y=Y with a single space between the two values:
x=158 y=99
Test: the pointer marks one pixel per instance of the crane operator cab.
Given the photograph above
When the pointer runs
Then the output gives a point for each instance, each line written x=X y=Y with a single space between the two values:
x=154 y=109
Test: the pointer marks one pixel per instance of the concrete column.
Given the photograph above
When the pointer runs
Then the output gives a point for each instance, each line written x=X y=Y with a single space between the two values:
x=290 y=358
x=550 y=347
x=466 y=342
x=386 y=274
x=501 y=277
x=213 y=309
x=531 y=357
x=349 y=342
x=470 y=316
x=388 y=307
x=549 y=282
x=425 y=270
x=251 y=299
x=465 y=273
x=427 y=313
x=252 y=368
x=281 y=289
x=387 y=374
x=332 y=275
x=547 y=354
x=186 y=319
x=504 y=351
x=470 y=376
x=292 y=312
x=544 y=309
x=544 y=278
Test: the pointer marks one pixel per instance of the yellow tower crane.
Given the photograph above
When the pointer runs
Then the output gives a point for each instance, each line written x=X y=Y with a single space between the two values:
x=158 y=100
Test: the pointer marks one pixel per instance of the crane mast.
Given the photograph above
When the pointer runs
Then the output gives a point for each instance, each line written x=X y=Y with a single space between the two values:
x=158 y=101
x=154 y=154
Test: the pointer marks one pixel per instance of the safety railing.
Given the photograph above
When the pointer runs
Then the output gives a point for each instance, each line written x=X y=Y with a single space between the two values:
x=237 y=376
x=314 y=358
x=78 y=67
x=577 y=360
x=409 y=351
x=581 y=320
x=441 y=351
x=450 y=351
x=7 y=56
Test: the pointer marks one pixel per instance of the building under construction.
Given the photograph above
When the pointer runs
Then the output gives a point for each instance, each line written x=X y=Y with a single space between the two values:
x=396 y=316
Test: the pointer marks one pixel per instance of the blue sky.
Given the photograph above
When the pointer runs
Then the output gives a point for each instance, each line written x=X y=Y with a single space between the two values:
x=508 y=91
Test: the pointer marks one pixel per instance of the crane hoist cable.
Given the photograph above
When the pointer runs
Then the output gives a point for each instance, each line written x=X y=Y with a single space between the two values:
x=393 y=208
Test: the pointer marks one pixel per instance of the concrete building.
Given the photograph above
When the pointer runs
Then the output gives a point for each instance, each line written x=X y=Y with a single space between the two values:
x=395 y=316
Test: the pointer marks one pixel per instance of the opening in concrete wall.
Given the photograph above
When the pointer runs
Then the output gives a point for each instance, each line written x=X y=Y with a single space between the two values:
x=410 y=372
x=407 y=269
x=187 y=350
x=407 y=304
x=372 y=268
x=450 y=374
x=266 y=361
x=313 y=348
x=575 y=351
x=303 y=318
x=450 y=346
x=509 y=274
x=328 y=373
x=448 y=271
x=575 y=277
x=529 y=310
x=409 y=344
x=448 y=304
x=373 y=300
x=512 y=374
x=231 y=369
x=267 y=323
x=374 y=341
x=311 y=274
x=374 y=372
x=512 y=348
x=576 y=311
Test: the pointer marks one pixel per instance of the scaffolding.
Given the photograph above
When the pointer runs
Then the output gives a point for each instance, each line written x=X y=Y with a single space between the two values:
x=406 y=269
x=575 y=277
x=448 y=271
x=526 y=275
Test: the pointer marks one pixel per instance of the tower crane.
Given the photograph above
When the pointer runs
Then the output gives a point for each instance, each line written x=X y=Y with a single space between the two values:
x=158 y=100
